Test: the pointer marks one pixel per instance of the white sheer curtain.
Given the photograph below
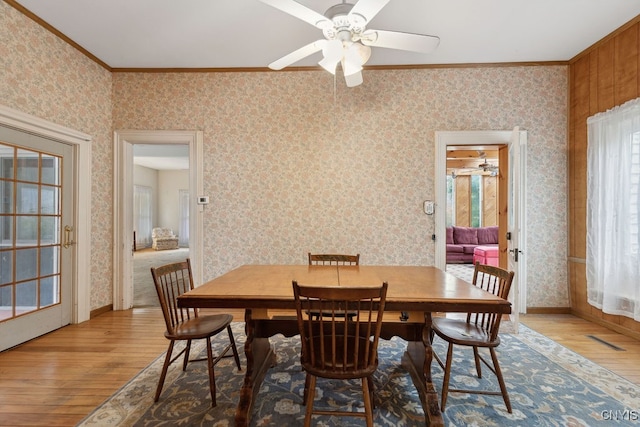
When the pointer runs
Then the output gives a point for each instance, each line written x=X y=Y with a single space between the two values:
x=613 y=209
x=142 y=215
x=183 y=233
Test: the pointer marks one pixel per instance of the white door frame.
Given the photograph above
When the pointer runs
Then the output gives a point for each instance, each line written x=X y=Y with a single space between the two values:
x=123 y=204
x=485 y=137
x=81 y=276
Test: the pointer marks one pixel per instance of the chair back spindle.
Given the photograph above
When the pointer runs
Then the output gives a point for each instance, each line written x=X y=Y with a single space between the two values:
x=333 y=259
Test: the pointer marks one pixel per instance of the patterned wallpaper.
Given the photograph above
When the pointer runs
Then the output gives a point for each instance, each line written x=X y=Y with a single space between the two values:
x=44 y=76
x=296 y=162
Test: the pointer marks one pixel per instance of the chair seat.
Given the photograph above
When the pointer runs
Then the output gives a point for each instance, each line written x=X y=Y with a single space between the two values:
x=458 y=331
x=201 y=327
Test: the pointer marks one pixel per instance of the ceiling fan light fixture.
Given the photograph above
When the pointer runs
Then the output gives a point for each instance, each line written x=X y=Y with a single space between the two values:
x=332 y=52
x=328 y=65
x=349 y=68
x=355 y=56
x=364 y=52
x=353 y=80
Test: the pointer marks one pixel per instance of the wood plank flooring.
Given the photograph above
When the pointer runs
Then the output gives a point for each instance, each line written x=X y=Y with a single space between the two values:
x=573 y=333
x=57 y=379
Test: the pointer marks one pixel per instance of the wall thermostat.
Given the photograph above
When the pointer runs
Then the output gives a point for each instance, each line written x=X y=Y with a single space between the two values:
x=428 y=207
x=203 y=200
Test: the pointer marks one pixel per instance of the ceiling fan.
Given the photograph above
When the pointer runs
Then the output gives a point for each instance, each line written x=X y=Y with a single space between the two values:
x=346 y=39
x=487 y=167
x=472 y=165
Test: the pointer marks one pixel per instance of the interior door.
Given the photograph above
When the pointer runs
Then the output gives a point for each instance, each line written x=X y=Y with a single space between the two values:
x=515 y=253
x=36 y=236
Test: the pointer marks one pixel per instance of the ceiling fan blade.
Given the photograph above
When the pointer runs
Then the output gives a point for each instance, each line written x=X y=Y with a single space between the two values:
x=298 y=54
x=366 y=9
x=403 y=41
x=353 y=80
x=302 y=12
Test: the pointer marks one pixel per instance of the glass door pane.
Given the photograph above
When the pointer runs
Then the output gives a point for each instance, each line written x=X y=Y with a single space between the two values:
x=30 y=230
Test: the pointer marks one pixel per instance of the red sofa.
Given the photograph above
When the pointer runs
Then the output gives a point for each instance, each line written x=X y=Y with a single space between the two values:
x=461 y=241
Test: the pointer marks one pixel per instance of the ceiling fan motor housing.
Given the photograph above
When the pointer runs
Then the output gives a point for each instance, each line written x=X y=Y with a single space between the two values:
x=345 y=28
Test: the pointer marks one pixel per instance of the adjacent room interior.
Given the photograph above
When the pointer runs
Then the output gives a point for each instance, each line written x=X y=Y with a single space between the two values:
x=160 y=213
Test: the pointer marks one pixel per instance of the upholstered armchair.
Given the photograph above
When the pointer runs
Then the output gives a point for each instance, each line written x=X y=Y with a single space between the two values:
x=163 y=238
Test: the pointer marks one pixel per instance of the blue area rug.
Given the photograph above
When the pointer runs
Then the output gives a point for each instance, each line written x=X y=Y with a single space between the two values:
x=548 y=384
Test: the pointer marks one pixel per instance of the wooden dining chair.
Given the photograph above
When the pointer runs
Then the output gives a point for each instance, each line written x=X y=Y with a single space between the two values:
x=184 y=324
x=338 y=348
x=476 y=331
x=333 y=259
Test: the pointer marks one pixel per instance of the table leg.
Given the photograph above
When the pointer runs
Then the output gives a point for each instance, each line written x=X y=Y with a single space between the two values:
x=417 y=361
x=260 y=357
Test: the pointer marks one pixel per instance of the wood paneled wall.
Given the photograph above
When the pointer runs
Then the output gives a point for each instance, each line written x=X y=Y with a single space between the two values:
x=463 y=201
x=489 y=201
x=604 y=76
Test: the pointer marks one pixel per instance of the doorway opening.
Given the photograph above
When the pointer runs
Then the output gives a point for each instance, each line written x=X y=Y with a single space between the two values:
x=473 y=174
x=161 y=197
x=158 y=175
x=512 y=198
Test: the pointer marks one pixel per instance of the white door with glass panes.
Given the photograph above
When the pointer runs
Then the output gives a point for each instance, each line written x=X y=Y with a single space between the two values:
x=36 y=236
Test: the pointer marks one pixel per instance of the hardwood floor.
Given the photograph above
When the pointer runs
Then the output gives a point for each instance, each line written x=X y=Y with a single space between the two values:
x=57 y=379
x=575 y=334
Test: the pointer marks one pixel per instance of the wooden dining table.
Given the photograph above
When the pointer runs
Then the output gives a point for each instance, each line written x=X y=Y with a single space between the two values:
x=415 y=293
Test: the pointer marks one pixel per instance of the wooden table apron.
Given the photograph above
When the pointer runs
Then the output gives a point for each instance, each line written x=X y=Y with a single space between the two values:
x=419 y=291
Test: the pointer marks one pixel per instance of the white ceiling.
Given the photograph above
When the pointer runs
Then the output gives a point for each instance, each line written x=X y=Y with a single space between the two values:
x=249 y=33
x=161 y=156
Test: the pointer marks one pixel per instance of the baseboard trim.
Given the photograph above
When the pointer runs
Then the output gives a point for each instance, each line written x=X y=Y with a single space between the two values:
x=548 y=310
x=98 y=311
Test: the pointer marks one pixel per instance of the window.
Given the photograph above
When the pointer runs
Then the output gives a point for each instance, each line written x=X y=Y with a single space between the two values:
x=142 y=215
x=634 y=198
x=476 y=201
x=613 y=210
x=451 y=201
x=473 y=200
x=183 y=232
